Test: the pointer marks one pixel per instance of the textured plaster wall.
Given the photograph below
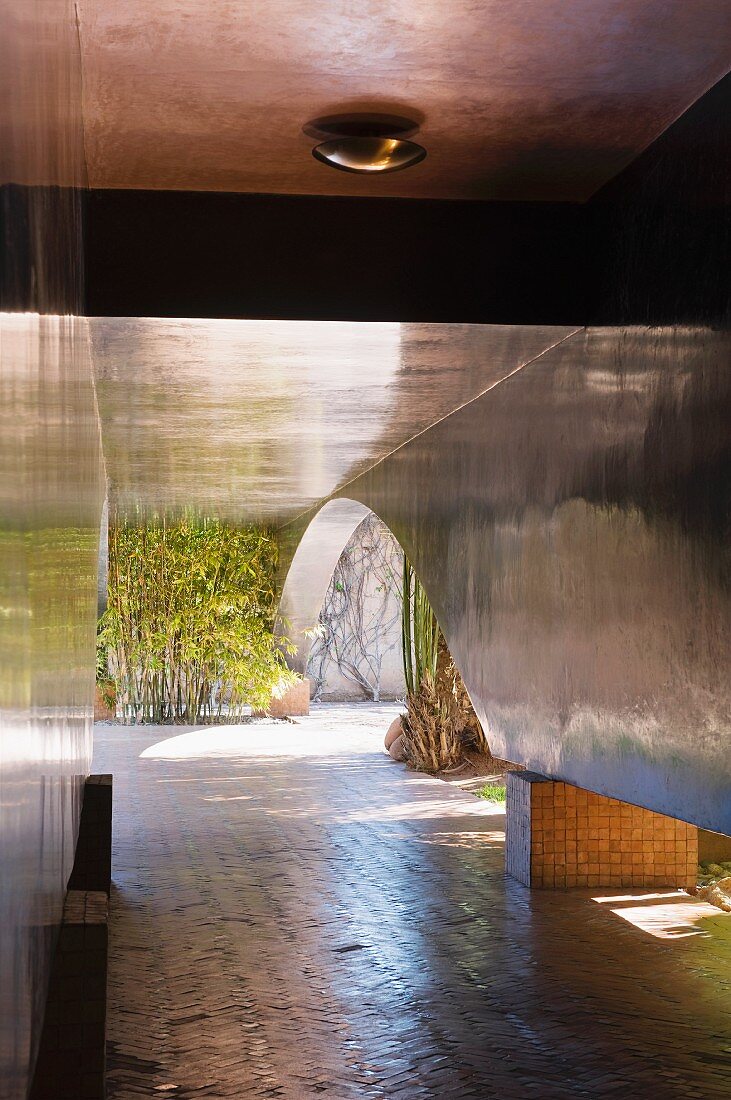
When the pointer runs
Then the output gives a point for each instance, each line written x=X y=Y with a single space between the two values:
x=358 y=653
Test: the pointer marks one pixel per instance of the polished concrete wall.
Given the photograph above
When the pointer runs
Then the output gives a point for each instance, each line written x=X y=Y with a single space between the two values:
x=660 y=232
x=572 y=524
x=50 y=481
x=570 y=527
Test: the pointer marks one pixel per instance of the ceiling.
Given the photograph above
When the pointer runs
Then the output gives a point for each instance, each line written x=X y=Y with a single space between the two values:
x=259 y=420
x=526 y=99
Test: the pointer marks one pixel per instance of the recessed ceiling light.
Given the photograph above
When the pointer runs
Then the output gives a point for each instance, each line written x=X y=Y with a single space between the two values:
x=369 y=154
x=366 y=143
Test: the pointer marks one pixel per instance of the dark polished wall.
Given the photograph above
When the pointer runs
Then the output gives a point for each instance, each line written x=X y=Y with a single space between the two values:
x=41 y=262
x=572 y=525
x=661 y=230
x=50 y=498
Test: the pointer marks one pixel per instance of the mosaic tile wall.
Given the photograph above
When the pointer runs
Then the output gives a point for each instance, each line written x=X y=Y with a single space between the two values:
x=562 y=835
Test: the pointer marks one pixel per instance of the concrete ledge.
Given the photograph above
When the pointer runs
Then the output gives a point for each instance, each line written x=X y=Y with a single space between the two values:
x=71 y=1063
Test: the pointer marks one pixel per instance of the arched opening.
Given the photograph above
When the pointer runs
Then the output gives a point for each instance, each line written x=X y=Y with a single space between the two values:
x=350 y=601
x=311 y=570
x=356 y=652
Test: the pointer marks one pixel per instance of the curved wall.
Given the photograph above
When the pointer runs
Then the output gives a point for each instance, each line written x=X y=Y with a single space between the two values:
x=571 y=529
x=572 y=525
x=308 y=572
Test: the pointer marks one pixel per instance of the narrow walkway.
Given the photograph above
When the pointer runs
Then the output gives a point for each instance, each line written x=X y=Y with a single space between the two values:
x=295 y=915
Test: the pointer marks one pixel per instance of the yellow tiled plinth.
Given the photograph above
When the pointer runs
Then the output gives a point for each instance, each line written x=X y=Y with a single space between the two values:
x=561 y=835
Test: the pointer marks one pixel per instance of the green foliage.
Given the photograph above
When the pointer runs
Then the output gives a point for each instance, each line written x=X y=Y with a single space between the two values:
x=709 y=871
x=440 y=722
x=433 y=726
x=420 y=633
x=493 y=792
x=190 y=622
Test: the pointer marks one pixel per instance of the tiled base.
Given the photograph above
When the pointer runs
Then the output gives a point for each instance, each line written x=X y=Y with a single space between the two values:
x=561 y=835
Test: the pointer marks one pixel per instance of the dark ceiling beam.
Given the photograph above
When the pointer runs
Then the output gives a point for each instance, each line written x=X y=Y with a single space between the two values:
x=651 y=248
x=202 y=254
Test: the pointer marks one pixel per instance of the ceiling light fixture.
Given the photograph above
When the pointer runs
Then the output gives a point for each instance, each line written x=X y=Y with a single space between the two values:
x=365 y=143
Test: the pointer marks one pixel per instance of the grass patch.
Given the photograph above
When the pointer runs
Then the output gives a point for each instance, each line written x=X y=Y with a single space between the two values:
x=492 y=792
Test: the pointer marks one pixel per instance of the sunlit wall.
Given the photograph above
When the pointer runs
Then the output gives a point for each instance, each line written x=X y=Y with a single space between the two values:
x=51 y=491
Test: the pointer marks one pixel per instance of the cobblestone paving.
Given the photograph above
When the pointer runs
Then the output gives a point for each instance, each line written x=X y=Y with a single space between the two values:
x=294 y=915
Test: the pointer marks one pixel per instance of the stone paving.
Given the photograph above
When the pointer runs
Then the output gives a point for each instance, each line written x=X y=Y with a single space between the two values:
x=294 y=915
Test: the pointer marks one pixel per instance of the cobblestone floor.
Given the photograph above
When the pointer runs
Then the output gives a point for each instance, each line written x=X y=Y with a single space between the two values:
x=294 y=915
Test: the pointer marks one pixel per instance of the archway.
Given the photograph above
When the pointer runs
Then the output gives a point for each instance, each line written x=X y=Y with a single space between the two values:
x=328 y=585
x=311 y=568
x=318 y=546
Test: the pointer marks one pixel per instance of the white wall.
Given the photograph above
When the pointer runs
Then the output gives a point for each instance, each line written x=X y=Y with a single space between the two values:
x=358 y=652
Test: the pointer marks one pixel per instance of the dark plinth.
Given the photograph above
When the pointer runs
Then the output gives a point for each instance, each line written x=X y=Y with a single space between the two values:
x=93 y=861
x=71 y=1058
x=71 y=1063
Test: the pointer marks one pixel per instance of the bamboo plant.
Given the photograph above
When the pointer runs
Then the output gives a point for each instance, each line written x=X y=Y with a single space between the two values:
x=189 y=628
x=420 y=632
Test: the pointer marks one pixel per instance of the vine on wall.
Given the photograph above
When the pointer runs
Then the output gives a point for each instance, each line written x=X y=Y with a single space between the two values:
x=360 y=620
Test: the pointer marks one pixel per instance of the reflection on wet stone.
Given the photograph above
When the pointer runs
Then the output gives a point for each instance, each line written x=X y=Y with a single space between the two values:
x=348 y=931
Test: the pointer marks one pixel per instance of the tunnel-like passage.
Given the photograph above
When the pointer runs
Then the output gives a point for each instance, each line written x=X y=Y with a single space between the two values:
x=516 y=354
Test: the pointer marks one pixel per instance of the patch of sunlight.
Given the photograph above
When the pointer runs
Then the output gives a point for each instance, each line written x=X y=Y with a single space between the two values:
x=203 y=778
x=492 y=793
x=427 y=809
x=669 y=916
x=226 y=798
x=461 y=840
x=261 y=740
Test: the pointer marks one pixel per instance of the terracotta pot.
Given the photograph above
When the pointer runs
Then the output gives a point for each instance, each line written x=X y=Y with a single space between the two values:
x=396 y=752
x=294 y=702
x=394 y=730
